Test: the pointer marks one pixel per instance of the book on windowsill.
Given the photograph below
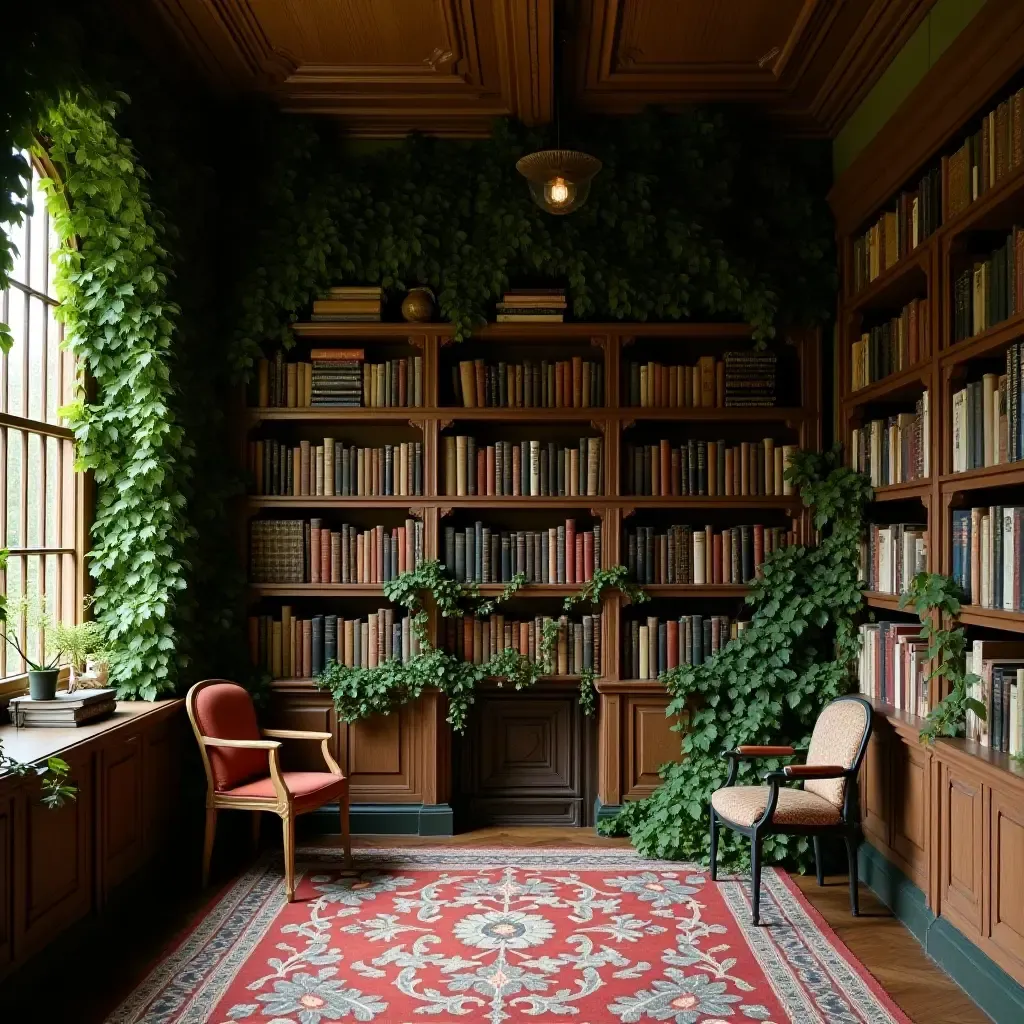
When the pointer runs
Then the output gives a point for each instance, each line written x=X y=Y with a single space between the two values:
x=67 y=710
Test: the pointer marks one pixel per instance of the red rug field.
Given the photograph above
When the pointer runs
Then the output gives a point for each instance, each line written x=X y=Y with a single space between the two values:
x=540 y=936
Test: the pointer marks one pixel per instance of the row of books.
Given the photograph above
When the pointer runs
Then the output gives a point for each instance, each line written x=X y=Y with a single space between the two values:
x=559 y=554
x=289 y=647
x=897 y=232
x=333 y=469
x=999 y=666
x=988 y=155
x=674 y=386
x=711 y=468
x=893 y=666
x=895 y=450
x=891 y=556
x=991 y=290
x=575 y=383
x=532 y=305
x=981 y=426
x=305 y=551
x=359 y=303
x=341 y=378
x=653 y=646
x=891 y=346
x=691 y=555
x=577 y=644
x=523 y=468
x=988 y=545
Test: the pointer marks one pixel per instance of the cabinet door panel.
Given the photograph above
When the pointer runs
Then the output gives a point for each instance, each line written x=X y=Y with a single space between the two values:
x=6 y=881
x=121 y=816
x=650 y=743
x=875 y=786
x=910 y=774
x=962 y=843
x=1007 y=879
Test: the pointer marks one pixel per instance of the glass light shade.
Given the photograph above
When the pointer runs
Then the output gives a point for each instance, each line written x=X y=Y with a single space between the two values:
x=559 y=178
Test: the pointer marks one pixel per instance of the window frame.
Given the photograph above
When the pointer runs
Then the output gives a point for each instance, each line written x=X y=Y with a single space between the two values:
x=73 y=504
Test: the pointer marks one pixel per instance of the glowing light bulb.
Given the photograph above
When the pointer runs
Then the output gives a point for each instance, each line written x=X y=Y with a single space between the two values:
x=558 y=191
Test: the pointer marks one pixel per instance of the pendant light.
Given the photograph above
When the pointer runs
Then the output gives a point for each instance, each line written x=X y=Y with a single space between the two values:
x=559 y=178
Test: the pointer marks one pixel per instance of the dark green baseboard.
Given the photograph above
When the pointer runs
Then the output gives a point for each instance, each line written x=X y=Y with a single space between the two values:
x=981 y=978
x=383 y=820
x=602 y=812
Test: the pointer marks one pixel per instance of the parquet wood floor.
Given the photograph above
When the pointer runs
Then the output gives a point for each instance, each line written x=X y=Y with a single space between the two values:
x=102 y=961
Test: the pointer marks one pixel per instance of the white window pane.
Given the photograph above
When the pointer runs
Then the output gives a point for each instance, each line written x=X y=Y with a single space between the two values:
x=18 y=234
x=38 y=315
x=33 y=591
x=55 y=357
x=52 y=491
x=39 y=237
x=35 y=491
x=17 y=320
x=14 y=445
x=15 y=590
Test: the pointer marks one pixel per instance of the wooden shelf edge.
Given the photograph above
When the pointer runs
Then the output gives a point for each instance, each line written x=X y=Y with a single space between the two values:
x=1004 y=475
x=914 y=260
x=890 y=602
x=879 y=389
x=696 y=589
x=1003 y=333
x=905 y=721
x=336 y=501
x=331 y=413
x=897 y=492
x=974 y=211
x=991 y=618
x=392 y=329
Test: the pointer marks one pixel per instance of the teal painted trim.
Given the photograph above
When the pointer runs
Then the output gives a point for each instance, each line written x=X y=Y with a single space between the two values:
x=943 y=23
x=979 y=976
x=602 y=812
x=384 y=820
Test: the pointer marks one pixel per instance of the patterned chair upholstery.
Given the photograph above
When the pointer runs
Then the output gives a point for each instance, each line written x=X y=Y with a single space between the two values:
x=826 y=804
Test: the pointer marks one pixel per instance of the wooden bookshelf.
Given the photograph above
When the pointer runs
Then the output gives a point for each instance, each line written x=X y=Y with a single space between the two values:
x=408 y=757
x=926 y=808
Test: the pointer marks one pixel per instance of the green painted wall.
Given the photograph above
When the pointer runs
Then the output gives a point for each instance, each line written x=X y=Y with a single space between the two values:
x=944 y=22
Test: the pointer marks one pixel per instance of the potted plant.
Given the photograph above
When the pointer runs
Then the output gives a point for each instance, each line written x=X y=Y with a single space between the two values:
x=84 y=644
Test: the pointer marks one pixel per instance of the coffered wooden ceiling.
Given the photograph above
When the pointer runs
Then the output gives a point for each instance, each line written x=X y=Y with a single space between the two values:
x=384 y=67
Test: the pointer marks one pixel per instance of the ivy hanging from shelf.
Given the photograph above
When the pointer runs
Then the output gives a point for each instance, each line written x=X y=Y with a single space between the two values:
x=361 y=692
x=768 y=685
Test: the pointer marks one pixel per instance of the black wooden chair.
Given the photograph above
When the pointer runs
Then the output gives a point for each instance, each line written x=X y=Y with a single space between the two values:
x=826 y=804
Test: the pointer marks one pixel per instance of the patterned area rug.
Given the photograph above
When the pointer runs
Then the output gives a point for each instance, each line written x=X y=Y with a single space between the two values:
x=539 y=935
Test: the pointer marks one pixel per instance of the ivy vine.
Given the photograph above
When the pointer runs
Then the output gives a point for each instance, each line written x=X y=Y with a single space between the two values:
x=768 y=685
x=361 y=692
x=936 y=599
x=702 y=215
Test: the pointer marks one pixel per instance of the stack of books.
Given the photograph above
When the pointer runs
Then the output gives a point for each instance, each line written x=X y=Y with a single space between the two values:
x=577 y=645
x=994 y=151
x=999 y=665
x=560 y=554
x=348 y=555
x=918 y=213
x=988 y=547
x=654 y=646
x=345 y=305
x=893 y=666
x=656 y=385
x=893 y=450
x=336 y=469
x=575 y=383
x=991 y=290
x=288 y=647
x=532 y=305
x=891 y=556
x=337 y=377
x=663 y=469
x=695 y=556
x=66 y=711
x=530 y=469
x=749 y=379
x=891 y=346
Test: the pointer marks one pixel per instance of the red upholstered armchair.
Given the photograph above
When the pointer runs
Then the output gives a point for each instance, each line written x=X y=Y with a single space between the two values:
x=243 y=771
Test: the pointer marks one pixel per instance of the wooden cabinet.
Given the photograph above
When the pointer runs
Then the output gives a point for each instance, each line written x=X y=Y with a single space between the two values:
x=962 y=845
x=57 y=866
x=910 y=770
x=1006 y=893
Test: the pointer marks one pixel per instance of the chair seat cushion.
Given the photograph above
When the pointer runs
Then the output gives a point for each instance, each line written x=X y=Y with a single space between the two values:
x=745 y=804
x=314 y=788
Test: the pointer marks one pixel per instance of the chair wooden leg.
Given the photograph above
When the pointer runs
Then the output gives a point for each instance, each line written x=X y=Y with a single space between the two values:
x=851 y=856
x=256 y=818
x=208 y=837
x=346 y=838
x=755 y=879
x=288 y=823
x=714 y=846
x=819 y=863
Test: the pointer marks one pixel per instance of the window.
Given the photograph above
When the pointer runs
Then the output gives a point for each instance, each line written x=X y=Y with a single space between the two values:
x=40 y=493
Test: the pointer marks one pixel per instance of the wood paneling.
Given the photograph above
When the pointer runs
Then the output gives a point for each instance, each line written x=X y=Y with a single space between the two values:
x=6 y=882
x=910 y=809
x=875 y=789
x=650 y=743
x=121 y=824
x=162 y=777
x=961 y=847
x=1006 y=822
x=447 y=66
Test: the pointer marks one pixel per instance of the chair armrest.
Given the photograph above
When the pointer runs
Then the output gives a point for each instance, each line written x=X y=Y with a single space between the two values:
x=815 y=771
x=748 y=750
x=214 y=741
x=295 y=734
